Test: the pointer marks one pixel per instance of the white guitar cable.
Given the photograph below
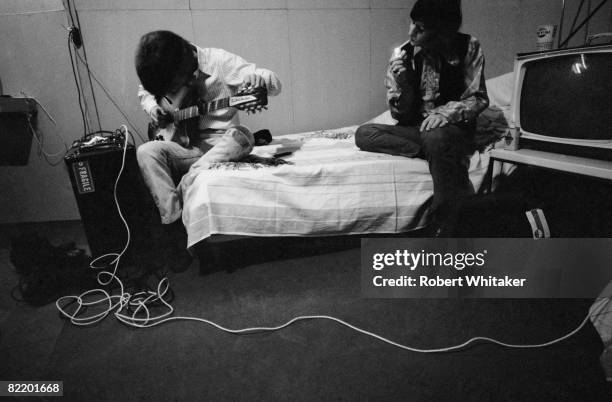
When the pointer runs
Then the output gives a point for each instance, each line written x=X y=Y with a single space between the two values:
x=100 y=297
x=137 y=310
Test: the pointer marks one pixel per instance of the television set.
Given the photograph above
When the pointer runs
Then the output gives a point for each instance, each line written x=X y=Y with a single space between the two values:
x=562 y=101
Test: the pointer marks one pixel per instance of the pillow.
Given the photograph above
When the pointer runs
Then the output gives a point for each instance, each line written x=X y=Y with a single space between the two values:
x=383 y=118
x=500 y=90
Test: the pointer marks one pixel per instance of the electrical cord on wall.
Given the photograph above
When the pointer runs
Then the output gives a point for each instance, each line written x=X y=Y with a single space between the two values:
x=75 y=42
x=113 y=101
x=138 y=309
x=81 y=97
x=76 y=39
x=41 y=146
x=39 y=138
x=91 y=74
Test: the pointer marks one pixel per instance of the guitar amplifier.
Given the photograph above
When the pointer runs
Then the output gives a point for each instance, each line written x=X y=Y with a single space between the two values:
x=93 y=170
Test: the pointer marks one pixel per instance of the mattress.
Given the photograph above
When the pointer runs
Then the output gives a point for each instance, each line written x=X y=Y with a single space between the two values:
x=330 y=187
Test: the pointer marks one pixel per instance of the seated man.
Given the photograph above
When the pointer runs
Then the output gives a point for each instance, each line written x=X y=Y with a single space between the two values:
x=167 y=64
x=435 y=90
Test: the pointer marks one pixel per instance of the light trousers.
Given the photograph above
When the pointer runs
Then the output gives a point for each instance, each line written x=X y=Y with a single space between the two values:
x=163 y=163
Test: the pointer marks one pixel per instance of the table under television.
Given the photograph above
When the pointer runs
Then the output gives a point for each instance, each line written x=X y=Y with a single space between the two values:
x=601 y=169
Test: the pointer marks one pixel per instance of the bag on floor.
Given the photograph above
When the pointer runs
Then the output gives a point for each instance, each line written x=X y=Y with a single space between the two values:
x=47 y=272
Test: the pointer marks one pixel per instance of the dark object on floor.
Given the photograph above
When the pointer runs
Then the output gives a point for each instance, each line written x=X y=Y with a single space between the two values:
x=262 y=137
x=48 y=272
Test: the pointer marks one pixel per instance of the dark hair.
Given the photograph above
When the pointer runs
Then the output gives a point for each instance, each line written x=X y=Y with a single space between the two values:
x=158 y=58
x=441 y=16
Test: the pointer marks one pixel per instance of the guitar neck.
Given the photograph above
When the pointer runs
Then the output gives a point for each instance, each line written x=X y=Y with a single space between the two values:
x=194 y=111
x=217 y=104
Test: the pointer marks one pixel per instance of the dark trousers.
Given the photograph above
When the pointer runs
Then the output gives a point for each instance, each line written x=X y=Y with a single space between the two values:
x=445 y=148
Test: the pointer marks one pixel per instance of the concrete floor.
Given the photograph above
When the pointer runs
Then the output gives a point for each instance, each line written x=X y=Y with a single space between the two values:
x=314 y=360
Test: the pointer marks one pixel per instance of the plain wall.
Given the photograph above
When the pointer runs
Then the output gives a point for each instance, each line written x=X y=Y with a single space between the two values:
x=331 y=56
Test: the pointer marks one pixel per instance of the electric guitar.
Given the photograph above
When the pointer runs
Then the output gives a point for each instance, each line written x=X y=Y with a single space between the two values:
x=184 y=106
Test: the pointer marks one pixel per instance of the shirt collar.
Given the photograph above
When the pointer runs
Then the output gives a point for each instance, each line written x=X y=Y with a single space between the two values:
x=449 y=57
x=204 y=67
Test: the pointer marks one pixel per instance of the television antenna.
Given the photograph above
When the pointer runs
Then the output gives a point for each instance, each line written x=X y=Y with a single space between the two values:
x=574 y=29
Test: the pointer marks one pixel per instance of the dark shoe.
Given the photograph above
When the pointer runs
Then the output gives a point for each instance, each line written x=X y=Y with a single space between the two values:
x=262 y=137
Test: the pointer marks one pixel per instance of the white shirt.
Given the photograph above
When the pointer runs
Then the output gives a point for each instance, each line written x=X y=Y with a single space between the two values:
x=220 y=74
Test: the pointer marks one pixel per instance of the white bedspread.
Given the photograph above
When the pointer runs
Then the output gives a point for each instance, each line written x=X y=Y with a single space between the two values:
x=331 y=188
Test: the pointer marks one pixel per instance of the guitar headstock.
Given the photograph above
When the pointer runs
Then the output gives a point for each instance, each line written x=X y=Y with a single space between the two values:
x=250 y=99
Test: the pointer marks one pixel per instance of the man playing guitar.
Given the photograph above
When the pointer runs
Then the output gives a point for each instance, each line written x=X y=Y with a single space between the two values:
x=169 y=66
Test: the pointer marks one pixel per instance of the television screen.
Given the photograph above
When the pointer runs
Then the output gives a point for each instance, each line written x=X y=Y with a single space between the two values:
x=568 y=96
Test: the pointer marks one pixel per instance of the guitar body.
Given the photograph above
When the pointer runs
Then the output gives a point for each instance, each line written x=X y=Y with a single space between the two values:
x=178 y=131
x=184 y=107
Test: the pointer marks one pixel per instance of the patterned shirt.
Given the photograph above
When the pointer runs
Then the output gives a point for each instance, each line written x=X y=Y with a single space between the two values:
x=472 y=101
x=219 y=75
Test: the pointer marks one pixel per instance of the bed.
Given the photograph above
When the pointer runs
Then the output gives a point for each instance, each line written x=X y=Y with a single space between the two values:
x=330 y=188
